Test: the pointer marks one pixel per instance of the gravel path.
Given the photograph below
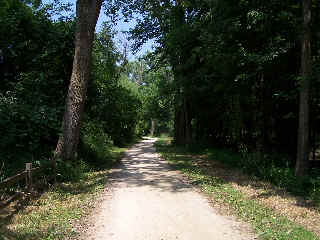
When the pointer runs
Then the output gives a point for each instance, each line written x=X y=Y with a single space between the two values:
x=150 y=201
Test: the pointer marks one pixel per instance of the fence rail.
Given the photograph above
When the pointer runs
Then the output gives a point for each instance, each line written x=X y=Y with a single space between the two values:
x=27 y=175
x=15 y=197
x=16 y=178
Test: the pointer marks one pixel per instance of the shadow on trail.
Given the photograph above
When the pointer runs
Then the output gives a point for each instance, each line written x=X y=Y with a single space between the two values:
x=142 y=167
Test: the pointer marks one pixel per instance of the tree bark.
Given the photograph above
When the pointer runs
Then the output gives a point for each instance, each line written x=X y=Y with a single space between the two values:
x=153 y=126
x=306 y=70
x=187 y=119
x=180 y=127
x=87 y=16
x=182 y=123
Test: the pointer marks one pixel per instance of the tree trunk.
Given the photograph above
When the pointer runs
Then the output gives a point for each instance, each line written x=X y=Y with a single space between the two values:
x=306 y=68
x=180 y=138
x=187 y=123
x=87 y=16
x=153 y=126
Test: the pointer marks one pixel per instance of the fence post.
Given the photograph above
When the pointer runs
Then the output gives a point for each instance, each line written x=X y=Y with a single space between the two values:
x=54 y=168
x=28 y=176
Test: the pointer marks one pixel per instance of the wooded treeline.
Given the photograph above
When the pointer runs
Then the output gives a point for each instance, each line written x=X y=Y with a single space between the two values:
x=229 y=73
x=239 y=67
x=37 y=45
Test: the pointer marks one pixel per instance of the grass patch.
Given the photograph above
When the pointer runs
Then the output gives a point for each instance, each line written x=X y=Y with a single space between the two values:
x=274 y=169
x=52 y=215
x=267 y=224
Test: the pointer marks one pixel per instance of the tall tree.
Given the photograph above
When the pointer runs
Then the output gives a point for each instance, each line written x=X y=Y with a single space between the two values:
x=306 y=68
x=87 y=16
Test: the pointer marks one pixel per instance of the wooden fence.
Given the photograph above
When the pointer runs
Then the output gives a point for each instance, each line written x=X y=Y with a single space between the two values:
x=27 y=175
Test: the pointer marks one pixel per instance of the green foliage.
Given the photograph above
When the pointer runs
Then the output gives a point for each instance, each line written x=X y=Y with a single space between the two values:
x=95 y=146
x=71 y=171
x=315 y=190
x=113 y=100
x=33 y=82
x=235 y=69
x=36 y=62
x=154 y=88
x=270 y=168
x=125 y=98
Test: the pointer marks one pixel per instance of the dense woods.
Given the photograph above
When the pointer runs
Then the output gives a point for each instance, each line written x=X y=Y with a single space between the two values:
x=240 y=70
x=241 y=75
x=245 y=78
x=37 y=48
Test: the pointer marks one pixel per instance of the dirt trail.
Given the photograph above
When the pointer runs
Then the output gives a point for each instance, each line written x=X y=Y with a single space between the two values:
x=150 y=201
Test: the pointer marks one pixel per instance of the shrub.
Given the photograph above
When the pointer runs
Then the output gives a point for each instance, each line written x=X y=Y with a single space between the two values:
x=71 y=171
x=315 y=191
x=95 y=144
